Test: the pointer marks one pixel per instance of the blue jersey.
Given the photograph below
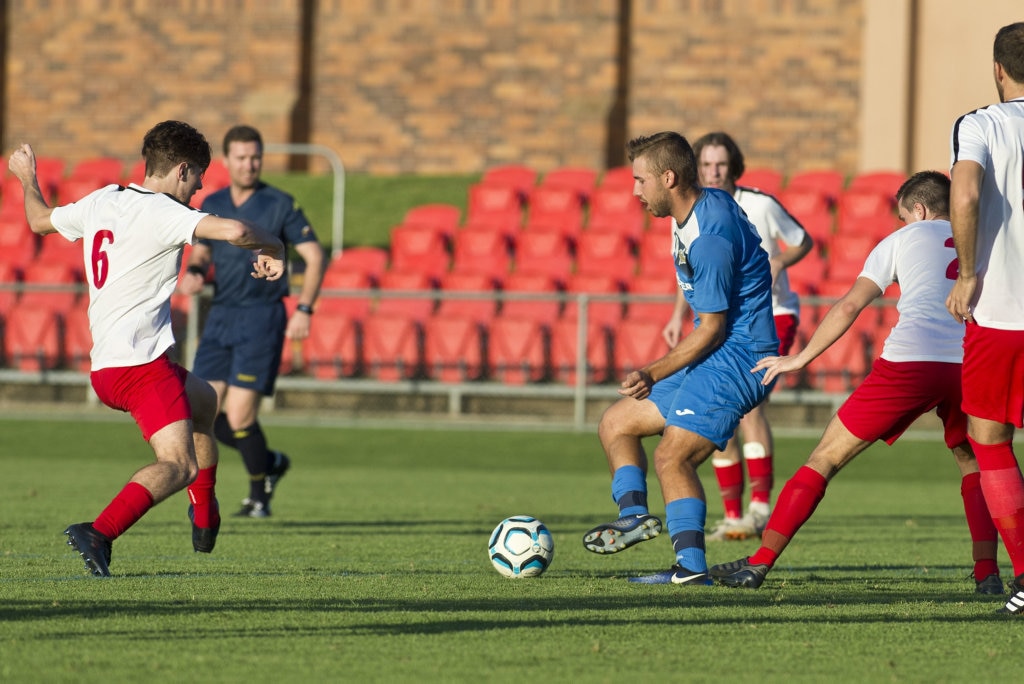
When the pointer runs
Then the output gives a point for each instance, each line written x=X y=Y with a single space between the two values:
x=721 y=266
x=271 y=209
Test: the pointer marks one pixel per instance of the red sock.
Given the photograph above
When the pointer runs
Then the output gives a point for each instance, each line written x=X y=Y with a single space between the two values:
x=797 y=501
x=1003 y=487
x=761 y=473
x=984 y=537
x=130 y=504
x=730 y=481
x=201 y=494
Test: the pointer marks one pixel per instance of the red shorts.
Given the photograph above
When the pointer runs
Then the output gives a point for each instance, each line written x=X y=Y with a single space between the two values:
x=894 y=395
x=153 y=393
x=785 y=328
x=993 y=376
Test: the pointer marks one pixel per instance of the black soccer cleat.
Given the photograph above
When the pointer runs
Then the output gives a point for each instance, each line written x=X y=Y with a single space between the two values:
x=740 y=573
x=93 y=547
x=1015 y=606
x=992 y=585
x=204 y=538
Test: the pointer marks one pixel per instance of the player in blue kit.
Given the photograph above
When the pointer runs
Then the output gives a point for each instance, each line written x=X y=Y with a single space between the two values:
x=695 y=395
x=243 y=368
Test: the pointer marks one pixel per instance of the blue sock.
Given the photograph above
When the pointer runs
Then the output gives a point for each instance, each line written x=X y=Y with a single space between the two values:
x=629 y=490
x=685 y=519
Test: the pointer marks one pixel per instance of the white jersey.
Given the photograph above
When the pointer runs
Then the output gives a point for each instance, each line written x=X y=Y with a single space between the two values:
x=921 y=258
x=994 y=138
x=773 y=223
x=132 y=245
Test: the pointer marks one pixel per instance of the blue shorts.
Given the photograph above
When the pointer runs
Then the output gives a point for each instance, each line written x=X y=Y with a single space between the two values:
x=709 y=397
x=242 y=346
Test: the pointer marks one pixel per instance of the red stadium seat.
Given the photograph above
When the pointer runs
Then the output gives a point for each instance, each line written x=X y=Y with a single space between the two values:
x=636 y=344
x=54 y=249
x=885 y=182
x=807 y=275
x=606 y=254
x=581 y=180
x=619 y=178
x=475 y=308
x=332 y=349
x=494 y=203
x=355 y=306
x=828 y=182
x=10 y=280
x=766 y=180
x=73 y=189
x=56 y=274
x=417 y=305
x=805 y=201
x=517 y=351
x=419 y=249
x=442 y=217
x=819 y=225
x=392 y=347
x=603 y=312
x=32 y=337
x=372 y=261
x=481 y=251
x=99 y=170
x=655 y=254
x=846 y=257
x=49 y=172
x=518 y=177
x=555 y=204
x=565 y=352
x=77 y=340
x=841 y=367
x=544 y=253
x=857 y=203
x=543 y=308
x=616 y=211
x=650 y=285
x=453 y=348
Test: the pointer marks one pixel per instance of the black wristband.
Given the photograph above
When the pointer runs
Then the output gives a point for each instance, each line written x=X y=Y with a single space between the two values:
x=305 y=308
x=198 y=270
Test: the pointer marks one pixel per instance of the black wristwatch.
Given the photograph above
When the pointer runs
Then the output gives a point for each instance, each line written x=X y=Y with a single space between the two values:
x=305 y=308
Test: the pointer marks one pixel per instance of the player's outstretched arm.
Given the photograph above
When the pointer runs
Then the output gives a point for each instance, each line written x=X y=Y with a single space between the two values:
x=836 y=322
x=268 y=257
x=22 y=164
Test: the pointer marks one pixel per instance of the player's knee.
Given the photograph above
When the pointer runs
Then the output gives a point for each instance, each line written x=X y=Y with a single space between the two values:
x=222 y=429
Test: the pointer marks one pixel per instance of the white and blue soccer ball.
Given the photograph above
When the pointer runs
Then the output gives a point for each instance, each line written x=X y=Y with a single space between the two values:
x=521 y=546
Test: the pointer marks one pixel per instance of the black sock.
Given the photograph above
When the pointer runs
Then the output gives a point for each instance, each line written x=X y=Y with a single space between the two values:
x=253 y=446
x=223 y=432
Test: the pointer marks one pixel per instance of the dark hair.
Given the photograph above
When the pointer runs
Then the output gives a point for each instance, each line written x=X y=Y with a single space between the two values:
x=1008 y=50
x=242 y=133
x=930 y=188
x=720 y=139
x=171 y=142
x=666 y=151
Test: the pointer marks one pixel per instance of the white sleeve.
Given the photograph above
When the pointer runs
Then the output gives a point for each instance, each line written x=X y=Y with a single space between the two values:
x=880 y=266
x=782 y=225
x=968 y=141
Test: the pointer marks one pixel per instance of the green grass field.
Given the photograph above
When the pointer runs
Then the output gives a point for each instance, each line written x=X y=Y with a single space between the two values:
x=373 y=204
x=374 y=568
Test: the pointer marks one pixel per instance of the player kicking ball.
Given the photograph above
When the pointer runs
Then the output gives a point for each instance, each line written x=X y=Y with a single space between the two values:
x=695 y=395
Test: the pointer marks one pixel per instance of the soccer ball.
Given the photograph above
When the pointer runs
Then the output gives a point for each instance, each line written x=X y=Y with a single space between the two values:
x=521 y=546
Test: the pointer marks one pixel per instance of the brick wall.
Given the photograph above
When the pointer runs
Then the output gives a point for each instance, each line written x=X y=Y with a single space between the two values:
x=433 y=86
